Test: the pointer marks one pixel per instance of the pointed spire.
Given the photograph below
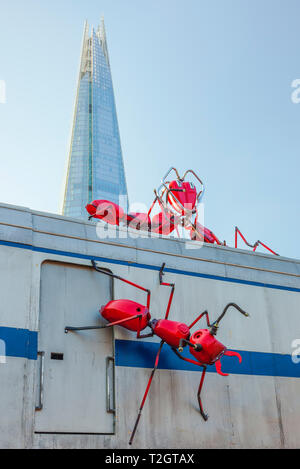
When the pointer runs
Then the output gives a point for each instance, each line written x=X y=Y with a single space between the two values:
x=102 y=37
x=101 y=29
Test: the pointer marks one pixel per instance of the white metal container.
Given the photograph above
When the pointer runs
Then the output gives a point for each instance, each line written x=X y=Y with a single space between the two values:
x=83 y=389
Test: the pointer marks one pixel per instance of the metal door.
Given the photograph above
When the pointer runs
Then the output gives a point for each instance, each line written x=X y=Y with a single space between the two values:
x=75 y=371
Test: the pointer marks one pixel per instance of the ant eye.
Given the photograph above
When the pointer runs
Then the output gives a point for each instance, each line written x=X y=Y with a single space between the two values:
x=138 y=309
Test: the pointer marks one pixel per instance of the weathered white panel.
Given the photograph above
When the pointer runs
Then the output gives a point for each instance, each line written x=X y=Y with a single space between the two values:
x=11 y=403
x=242 y=410
x=15 y=286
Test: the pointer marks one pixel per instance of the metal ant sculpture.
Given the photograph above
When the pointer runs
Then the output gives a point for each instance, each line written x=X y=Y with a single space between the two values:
x=178 y=201
x=203 y=346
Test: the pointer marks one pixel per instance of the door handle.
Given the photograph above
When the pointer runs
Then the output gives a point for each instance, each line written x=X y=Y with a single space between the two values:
x=110 y=386
x=41 y=380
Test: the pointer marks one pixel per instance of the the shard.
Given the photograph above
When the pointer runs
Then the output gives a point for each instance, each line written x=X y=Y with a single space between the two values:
x=95 y=164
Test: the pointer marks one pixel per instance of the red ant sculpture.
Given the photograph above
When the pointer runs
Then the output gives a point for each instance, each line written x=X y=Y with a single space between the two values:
x=178 y=200
x=203 y=345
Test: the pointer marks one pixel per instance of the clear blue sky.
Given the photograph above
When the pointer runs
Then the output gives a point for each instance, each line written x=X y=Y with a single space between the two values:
x=198 y=84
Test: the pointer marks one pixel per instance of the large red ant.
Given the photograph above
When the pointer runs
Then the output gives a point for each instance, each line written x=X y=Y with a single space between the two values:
x=203 y=345
x=178 y=201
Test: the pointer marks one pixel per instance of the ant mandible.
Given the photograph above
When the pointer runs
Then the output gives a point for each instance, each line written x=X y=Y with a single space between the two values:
x=203 y=345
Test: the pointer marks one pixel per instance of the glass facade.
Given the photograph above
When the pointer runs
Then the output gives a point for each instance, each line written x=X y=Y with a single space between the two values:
x=95 y=168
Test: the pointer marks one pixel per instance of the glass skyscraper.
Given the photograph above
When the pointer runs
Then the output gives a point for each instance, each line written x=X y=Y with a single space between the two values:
x=95 y=165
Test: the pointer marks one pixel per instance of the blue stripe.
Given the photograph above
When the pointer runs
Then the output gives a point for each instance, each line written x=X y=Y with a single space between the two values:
x=19 y=342
x=140 y=354
x=150 y=267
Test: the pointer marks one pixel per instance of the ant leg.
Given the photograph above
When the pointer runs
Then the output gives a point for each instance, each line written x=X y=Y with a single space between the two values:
x=153 y=203
x=184 y=358
x=143 y=336
x=254 y=246
x=170 y=299
x=115 y=323
x=102 y=271
x=236 y=232
x=146 y=393
x=172 y=285
x=184 y=342
x=199 y=317
x=266 y=247
x=204 y=415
